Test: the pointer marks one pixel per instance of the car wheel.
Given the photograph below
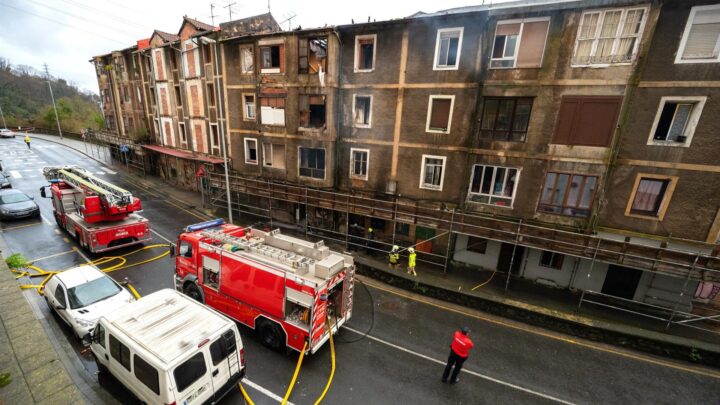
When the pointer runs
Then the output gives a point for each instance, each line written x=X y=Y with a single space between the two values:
x=271 y=335
x=193 y=291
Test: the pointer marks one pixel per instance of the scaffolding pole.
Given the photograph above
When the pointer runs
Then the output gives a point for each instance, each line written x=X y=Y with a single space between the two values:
x=682 y=293
x=512 y=257
x=449 y=242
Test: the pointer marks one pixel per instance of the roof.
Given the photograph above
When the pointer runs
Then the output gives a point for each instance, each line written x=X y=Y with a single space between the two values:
x=79 y=275
x=182 y=154
x=492 y=6
x=167 y=37
x=257 y=24
x=167 y=324
x=199 y=25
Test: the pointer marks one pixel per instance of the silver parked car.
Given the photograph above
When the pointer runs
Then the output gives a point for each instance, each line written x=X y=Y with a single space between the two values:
x=16 y=204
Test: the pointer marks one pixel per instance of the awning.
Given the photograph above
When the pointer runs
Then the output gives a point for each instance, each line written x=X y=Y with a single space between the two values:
x=183 y=155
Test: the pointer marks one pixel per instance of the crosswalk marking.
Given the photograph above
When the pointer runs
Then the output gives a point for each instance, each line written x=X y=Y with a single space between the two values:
x=99 y=173
x=15 y=174
x=110 y=171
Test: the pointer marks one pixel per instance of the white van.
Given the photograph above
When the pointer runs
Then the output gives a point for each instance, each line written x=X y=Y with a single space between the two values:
x=169 y=349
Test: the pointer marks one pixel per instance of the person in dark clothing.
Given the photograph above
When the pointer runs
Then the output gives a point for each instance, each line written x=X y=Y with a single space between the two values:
x=459 y=352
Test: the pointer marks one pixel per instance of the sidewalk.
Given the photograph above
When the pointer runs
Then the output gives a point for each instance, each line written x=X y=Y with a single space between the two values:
x=38 y=375
x=555 y=309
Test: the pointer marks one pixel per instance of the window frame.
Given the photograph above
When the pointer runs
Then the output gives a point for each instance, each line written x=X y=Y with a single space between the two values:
x=522 y=22
x=252 y=56
x=664 y=204
x=686 y=33
x=156 y=383
x=246 y=142
x=245 y=111
x=424 y=185
x=182 y=134
x=356 y=64
x=512 y=119
x=122 y=349
x=563 y=204
x=470 y=193
x=214 y=145
x=299 y=160
x=353 y=175
x=352 y=119
x=480 y=249
x=258 y=102
x=690 y=126
x=440 y=31
x=280 y=69
x=598 y=30
x=553 y=257
x=429 y=112
x=197 y=376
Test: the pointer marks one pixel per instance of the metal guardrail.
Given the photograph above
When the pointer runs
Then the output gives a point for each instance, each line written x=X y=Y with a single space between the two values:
x=669 y=316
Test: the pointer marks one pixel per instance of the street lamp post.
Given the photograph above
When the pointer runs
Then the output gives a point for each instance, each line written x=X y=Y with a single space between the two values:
x=3 y=117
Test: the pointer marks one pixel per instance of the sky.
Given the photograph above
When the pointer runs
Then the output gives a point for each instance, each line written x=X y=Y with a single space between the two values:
x=65 y=34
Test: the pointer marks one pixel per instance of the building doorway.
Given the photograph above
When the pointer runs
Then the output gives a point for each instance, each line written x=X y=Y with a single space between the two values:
x=506 y=256
x=621 y=281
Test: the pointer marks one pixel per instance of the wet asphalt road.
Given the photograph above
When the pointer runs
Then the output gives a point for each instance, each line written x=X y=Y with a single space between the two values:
x=401 y=359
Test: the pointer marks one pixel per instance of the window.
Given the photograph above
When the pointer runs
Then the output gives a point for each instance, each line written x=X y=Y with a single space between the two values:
x=362 y=111
x=676 y=120
x=312 y=55
x=609 y=36
x=274 y=155
x=271 y=59
x=60 y=295
x=210 y=94
x=447 y=48
x=178 y=99
x=249 y=107
x=272 y=110
x=365 y=53
x=587 y=121
x=223 y=347
x=189 y=372
x=312 y=163
x=433 y=172
x=207 y=50
x=247 y=64
x=120 y=352
x=210 y=272
x=214 y=139
x=181 y=132
x=402 y=229
x=99 y=335
x=312 y=111
x=476 y=245
x=493 y=185
x=251 y=155
x=568 y=194
x=701 y=39
x=439 y=116
x=146 y=373
x=552 y=260
x=359 y=163
x=519 y=43
x=506 y=119
x=186 y=249
x=651 y=196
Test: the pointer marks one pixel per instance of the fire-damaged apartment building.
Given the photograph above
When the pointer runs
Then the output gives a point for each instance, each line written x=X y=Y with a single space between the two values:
x=568 y=143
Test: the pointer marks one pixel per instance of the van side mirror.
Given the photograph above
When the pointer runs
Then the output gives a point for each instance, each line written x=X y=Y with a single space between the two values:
x=59 y=307
x=42 y=192
x=172 y=250
x=88 y=339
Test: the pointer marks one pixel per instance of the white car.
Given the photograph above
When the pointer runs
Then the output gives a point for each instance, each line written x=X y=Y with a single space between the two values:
x=6 y=133
x=83 y=294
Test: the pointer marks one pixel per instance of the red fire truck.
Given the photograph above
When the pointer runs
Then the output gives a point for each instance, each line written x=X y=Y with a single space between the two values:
x=284 y=287
x=99 y=215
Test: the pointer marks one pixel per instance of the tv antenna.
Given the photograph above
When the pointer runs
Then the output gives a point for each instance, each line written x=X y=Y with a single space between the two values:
x=288 y=17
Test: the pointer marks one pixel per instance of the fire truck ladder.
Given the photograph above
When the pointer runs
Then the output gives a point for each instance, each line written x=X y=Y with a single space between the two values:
x=258 y=246
x=81 y=178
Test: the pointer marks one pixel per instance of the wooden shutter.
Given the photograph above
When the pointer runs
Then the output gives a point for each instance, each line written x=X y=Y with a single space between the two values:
x=587 y=121
x=440 y=114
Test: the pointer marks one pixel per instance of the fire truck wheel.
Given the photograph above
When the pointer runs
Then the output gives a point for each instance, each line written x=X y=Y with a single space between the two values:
x=271 y=334
x=192 y=291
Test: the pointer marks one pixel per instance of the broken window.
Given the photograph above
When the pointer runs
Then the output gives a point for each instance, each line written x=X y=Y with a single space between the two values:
x=312 y=163
x=361 y=111
x=271 y=58
x=359 y=163
x=208 y=53
x=178 y=100
x=312 y=111
x=272 y=110
x=249 y=106
x=519 y=44
x=506 y=118
x=568 y=194
x=365 y=53
x=447 y=48
x=312 y=55
x=251 y=155
x=274 y=155
x=439 y=114
x=247 y=64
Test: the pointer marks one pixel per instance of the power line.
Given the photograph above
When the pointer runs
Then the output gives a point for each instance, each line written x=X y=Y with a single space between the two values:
x=81 y=18
x=112 y=16
x=63 y=24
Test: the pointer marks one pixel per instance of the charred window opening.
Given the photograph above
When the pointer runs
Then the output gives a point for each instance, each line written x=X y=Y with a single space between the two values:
x=312 y=163
x=178 y=99
x=312 y=111
x=246 y=59
x=312 y=55
x=361 y=111
x=271 y=58
x=365 y=53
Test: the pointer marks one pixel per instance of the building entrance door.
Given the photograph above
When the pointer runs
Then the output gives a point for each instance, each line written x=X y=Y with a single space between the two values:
x=506 y=253
x=621 y=281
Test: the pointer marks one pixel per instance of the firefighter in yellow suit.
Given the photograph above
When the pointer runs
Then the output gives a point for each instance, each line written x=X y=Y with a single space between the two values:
x=394 y=256
x=411 y=262
x=27 y=140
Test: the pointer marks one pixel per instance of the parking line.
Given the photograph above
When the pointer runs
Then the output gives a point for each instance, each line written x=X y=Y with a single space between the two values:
x=264 y=390
x=47 y=221
x=110 y=171
x=464 y=370
x=50 y=256
x=162 y=237
x=15 y=174
x=20 y=226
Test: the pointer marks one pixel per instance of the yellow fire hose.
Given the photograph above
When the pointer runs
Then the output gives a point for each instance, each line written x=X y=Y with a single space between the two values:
x=297 y=371
x=122 y=264
x=332 y=370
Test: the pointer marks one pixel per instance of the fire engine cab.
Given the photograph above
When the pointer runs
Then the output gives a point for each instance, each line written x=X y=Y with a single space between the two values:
x=283 y=287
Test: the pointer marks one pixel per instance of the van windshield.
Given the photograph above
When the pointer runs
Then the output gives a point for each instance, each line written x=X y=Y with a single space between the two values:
x=89 y=293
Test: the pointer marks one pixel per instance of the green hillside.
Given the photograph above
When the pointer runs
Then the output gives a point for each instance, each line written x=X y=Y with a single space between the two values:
x=25 y=100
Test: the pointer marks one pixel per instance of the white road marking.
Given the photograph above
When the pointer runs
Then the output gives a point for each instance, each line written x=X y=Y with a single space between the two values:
x=110 y=171
x=162 y=237
x=99 y=172
x=79 y=251
x=15 y=174
x=45 y=220
x=483 y=376
x=264 y=390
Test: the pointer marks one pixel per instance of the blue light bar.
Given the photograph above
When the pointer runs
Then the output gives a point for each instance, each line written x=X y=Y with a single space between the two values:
x=204 y=225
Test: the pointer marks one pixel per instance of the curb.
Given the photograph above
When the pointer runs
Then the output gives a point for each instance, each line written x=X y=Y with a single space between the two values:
x=616 y=338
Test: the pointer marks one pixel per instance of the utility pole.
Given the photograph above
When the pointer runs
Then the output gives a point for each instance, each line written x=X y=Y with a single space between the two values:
x=229 y=7
x=3 y=117
x=212 y=13
x=52 y=97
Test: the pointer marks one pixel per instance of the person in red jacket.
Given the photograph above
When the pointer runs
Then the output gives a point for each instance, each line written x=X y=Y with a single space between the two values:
x=459 y=352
